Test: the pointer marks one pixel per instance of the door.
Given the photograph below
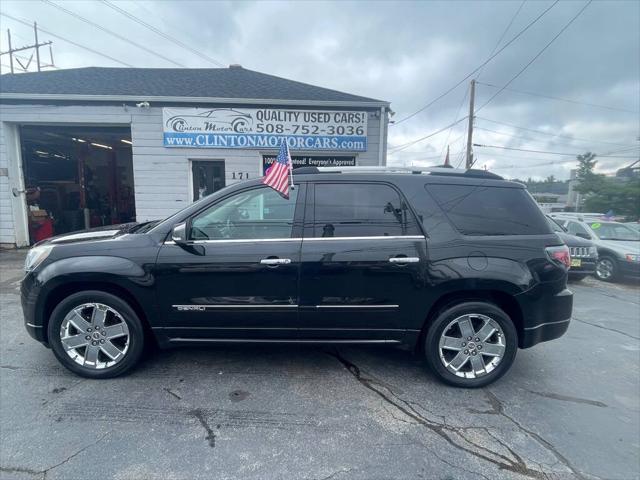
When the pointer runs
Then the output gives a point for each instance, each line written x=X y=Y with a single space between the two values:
x=363 y=261
x=207 y=177
x=245 y=284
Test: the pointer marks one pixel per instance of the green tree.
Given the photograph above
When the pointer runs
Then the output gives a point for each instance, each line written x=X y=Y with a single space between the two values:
x=588 y=180
x=623 y=198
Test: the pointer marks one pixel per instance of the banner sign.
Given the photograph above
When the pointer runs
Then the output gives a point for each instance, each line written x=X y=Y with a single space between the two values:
x=265 y=128
x=311 y=161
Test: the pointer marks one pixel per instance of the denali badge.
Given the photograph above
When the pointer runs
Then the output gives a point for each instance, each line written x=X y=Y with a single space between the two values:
x=189 y=308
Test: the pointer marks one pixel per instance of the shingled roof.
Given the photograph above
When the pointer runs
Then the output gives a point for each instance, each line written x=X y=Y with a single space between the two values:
x=224 y=83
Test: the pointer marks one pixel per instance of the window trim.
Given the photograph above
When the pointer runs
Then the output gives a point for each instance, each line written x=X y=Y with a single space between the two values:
x=310 y=210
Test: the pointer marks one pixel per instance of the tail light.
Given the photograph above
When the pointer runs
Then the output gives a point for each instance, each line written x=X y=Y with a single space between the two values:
x=559 y=255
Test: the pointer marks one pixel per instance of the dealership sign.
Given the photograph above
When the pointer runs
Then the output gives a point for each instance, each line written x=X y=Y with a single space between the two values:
x=312 y=161
x=264 y=128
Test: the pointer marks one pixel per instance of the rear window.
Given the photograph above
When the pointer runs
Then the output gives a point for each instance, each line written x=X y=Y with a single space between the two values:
x=481 y=210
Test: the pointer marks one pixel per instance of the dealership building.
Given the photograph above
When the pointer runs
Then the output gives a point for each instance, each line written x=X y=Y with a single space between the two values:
x=89 y=147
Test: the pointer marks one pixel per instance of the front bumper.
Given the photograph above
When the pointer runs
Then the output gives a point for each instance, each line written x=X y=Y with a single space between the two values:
x=587 y=266
x=545 y=316
x=29 y=289
x=630 y=269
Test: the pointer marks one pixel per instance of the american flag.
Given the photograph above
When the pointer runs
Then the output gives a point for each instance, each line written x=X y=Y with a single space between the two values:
x=277 y=175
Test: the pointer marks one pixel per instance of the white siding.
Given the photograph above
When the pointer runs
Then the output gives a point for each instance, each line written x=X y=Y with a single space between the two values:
x=6 y=214
x=161 y=175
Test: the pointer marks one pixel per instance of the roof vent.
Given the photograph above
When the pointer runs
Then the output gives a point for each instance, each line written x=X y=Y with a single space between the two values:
x=235 y=65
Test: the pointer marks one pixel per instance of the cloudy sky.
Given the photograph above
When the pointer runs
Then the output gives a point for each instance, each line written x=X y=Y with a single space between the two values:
x=407 y=53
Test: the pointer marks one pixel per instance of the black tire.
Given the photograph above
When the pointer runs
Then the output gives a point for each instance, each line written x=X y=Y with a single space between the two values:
x=450 y=313
x=136 y=333
x=601 y=273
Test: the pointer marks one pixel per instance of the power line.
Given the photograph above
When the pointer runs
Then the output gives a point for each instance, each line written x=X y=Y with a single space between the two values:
x=466 y=92
x=544 y=151
x=95 y=52
x=547 y=133
x=538 y=140
x=560 y=99
x=504 y=32
x=164 y=35
x=413 y=142
x=117 y=35
x=567 y=25
x=479 y=67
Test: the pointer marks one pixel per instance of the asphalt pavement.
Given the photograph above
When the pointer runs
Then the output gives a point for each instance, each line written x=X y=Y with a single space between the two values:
x=569 y=408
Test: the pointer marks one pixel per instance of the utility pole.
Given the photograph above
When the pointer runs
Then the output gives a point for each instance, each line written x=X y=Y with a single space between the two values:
x=35 y=34
x=35 y=46
x=10 y=50
x=472 y=96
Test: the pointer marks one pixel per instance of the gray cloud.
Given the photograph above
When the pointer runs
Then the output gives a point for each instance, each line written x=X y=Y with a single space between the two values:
x=406 y=53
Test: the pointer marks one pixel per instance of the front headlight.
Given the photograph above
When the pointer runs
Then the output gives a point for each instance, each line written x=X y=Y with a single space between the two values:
x=36 y=256
x=632 y=257
x=593 y=251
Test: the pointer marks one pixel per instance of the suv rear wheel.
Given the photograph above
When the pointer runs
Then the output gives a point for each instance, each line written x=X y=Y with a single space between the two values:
x=95 y=334
x=471 y=344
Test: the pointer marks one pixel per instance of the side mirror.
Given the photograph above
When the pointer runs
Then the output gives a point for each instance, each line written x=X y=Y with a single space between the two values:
x=179 y=233
x=179 y=237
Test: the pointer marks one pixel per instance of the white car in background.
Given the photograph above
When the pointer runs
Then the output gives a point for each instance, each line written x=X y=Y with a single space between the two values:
x=618 y=245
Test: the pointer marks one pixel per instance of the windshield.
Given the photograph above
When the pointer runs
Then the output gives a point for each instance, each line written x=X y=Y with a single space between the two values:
x=614 y=231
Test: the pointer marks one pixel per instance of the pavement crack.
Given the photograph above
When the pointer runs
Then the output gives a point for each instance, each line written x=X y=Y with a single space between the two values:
x=172 y=393
x=449 y=433
x=498 y=408
x=337 y=472
x=47 y=470
x=211 y=436
x=10 y=367
x=567 y=398
x=606 y=328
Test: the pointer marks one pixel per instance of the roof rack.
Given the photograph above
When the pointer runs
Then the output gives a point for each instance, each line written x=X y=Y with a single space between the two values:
x=474 y=173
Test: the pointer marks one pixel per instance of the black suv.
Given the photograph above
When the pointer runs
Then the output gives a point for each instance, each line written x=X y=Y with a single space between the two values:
x=461 y=265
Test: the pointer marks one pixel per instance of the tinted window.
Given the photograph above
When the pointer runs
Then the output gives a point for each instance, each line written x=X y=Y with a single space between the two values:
x=253 y=214
x=361 y=210
x=481 y=210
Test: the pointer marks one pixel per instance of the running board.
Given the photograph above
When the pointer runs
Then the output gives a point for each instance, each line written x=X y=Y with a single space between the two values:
x=191 y=341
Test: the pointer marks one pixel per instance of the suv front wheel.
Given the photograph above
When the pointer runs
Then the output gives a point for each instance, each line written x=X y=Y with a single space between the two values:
x=471 y=344
x=95 y=334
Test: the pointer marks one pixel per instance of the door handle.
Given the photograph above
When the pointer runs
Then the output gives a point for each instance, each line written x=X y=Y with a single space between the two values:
x=402 y=260
x=275 y=261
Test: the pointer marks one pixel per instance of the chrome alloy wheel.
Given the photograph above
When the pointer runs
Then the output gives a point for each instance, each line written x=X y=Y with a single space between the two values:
x=94 y=335
x=472 y=345
x=604 y=269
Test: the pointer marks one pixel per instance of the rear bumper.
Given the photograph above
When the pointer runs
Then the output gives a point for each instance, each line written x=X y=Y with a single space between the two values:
x=545 y=316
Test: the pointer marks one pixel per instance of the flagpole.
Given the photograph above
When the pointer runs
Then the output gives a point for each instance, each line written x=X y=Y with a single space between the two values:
x=290 y=164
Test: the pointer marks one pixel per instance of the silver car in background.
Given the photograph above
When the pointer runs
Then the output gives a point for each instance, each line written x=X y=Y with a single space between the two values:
x=618 y=245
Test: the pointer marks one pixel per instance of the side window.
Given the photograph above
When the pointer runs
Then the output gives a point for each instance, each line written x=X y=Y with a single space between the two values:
x=253 y=214
x=487 y=210
x=361 y=210
x=574 y=228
